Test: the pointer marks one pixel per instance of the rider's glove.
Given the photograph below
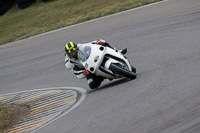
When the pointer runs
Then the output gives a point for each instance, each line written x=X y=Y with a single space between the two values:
x=85 y=72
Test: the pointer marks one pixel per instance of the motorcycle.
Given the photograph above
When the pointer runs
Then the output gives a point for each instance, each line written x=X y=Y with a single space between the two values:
x=105 y=62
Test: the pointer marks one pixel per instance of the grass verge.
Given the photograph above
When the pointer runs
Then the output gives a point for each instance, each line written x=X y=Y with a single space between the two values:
x=42 y=17
x=11 y=115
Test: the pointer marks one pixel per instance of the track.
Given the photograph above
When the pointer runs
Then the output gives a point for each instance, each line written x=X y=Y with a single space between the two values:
x=163 y=44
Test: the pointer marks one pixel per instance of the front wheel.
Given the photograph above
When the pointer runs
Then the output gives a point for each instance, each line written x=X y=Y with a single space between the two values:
x=120 y=70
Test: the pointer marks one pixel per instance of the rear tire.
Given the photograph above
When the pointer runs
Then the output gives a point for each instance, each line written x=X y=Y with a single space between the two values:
x=120 y=70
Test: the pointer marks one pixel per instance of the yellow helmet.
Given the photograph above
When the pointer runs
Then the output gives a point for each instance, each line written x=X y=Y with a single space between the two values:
x=71 y=50
x=69 y=47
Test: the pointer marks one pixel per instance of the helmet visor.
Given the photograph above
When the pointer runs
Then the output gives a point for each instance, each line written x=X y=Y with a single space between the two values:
x=72 y=54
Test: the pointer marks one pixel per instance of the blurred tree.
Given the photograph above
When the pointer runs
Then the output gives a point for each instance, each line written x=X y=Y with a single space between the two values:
x=5 y=5
x=22 y=4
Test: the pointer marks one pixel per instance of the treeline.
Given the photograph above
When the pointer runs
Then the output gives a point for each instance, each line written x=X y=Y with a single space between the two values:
x=6 y=5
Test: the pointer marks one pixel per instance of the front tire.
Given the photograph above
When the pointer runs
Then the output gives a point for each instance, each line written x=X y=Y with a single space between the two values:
x=120 y=70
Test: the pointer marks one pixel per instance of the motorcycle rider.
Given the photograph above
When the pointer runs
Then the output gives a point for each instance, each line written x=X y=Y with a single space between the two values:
x=73 y=64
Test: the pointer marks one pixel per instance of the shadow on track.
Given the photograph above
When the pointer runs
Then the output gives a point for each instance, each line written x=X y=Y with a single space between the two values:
x=111 y=84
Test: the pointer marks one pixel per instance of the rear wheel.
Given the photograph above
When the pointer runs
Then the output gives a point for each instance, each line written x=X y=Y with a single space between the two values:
x=120 y=70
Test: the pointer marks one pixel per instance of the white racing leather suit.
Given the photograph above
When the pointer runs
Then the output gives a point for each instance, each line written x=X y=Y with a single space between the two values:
x=75 y=66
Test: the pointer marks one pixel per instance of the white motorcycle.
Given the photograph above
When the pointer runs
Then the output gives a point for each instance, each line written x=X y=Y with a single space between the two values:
x=105 y=62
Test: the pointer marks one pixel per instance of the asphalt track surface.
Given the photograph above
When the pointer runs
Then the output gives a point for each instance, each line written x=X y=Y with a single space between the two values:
x=163 y=42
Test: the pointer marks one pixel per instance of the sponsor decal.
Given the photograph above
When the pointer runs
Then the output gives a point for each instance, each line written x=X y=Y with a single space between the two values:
x=96 y=58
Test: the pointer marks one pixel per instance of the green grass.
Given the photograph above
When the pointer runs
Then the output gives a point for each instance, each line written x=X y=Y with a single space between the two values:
x=42 y=17
x=5 y=116
x=11 y=115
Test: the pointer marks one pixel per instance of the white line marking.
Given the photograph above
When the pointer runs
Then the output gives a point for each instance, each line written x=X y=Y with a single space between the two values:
x=91 y=21
x=101 y=18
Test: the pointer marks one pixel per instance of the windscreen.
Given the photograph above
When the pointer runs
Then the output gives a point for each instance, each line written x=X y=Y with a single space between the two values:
x=84 y=52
